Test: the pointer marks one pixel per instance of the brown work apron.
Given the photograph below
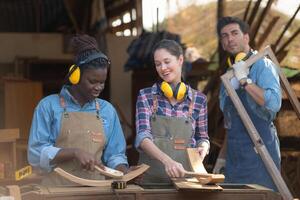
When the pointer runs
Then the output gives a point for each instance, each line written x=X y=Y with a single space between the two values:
x=171 y=135
x=78 y=130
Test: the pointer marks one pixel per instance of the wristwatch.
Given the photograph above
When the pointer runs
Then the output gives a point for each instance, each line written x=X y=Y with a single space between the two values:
x=247 y=81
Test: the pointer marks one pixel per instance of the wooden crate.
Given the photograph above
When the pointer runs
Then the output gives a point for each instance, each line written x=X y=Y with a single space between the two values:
x=8 y=157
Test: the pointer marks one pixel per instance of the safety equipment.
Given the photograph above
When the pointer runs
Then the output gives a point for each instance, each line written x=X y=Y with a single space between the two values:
x=178 y=92
x=74 y=71
x=240 y=56
x=118 y=185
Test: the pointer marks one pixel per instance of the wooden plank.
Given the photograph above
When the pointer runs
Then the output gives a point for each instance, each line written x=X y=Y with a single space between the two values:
x=109 y=172
x=9 y=135
x=82 y=181
x=195 y=161
x=101 y=183
x=135 y=173
x=193 y=184
x=14 y=191
x=199 y=170
x=253 y=133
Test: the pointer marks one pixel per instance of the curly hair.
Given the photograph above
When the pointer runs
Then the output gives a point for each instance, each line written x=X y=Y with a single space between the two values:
x=85 y=46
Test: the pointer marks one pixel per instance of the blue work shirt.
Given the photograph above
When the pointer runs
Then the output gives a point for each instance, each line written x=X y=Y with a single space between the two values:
x=46 y=125
x=264 y=74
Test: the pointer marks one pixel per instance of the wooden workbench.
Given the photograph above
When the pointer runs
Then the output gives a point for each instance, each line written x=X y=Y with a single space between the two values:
x=134 y=192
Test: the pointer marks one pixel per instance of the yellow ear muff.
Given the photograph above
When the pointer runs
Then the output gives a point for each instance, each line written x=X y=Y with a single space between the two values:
x=166 y=89
x=229 y=61
x=74 y=77
x=240 y=56
x=180 y=91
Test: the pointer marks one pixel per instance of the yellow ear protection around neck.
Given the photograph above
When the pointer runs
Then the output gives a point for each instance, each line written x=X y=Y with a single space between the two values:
x=238 y=57
x=74 y=71
x=178 y=92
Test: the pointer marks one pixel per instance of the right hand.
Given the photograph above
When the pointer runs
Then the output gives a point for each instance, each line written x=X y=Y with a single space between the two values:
x=241 y=70
x=86 y=160
x=174 y=169
x=219 y=166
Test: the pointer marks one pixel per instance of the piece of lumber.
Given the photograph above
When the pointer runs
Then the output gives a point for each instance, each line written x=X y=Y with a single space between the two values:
x=253 y=133
x=9 y=135
x=199 y=170
x=193 y=184
x=87 y=182
x=135 y=173
x=82 y=181
x=195 y=161
x=14 y=191
x=109 y=172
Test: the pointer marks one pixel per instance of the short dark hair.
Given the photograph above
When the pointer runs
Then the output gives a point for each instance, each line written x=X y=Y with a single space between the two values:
x=170 y=45
x=223 y=21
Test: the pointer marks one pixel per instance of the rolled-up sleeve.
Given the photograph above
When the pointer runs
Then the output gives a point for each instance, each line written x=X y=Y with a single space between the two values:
x=143 y=128
x=41 y=149
x=268 y=80
x=114 y=152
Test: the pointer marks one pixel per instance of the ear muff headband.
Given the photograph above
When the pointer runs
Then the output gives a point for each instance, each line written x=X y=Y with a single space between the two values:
x=74 y=71
x=240 y=56
x=178 y=93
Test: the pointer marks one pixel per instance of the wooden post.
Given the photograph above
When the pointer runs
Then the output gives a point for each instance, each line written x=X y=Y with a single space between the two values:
x=253 y=133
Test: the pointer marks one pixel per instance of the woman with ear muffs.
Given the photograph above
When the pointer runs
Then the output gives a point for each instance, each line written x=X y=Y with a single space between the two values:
x=170 y=116
x=75 y=130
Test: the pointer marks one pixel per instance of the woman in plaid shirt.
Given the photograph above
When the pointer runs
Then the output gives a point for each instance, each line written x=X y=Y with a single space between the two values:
x=170 y=116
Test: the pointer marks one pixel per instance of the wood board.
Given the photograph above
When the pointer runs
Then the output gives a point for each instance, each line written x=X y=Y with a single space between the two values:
x=87 y=182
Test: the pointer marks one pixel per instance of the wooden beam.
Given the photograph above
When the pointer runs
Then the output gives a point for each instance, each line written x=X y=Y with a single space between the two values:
x=71 y=15
x=254 y=12
x=267 y=32
x=115 y=11
x=247 y=10
x=253 y=133
x=286 y=27
x=288 y=41
x=255 y=28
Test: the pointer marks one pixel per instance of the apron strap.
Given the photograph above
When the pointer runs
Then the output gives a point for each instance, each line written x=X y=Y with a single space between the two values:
x=63 y=105
x=191 y=106
x=97 y=108
x=155 y=104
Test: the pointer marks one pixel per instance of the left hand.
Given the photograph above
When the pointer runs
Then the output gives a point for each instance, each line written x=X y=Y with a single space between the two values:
x=203 y=149
x=240 y=70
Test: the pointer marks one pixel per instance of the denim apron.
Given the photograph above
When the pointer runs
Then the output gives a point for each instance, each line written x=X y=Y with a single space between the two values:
x=243 y=164
x=78 y=130
x=171 y=135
